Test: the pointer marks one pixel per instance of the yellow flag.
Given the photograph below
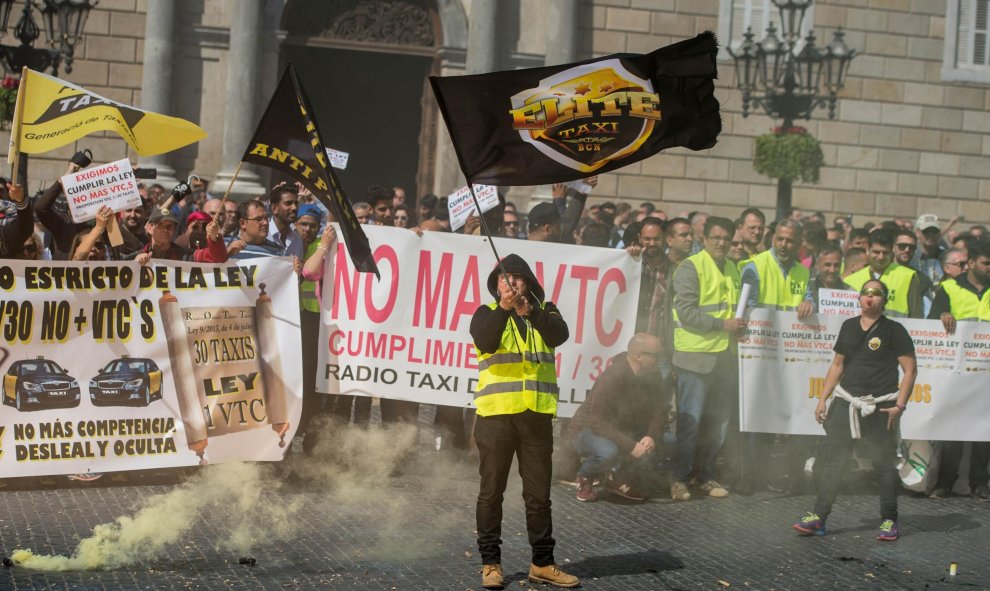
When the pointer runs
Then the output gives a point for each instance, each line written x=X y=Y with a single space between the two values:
x=55 y=113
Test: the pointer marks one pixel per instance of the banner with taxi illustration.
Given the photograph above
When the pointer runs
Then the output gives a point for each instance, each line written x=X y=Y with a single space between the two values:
x=115 y=366
x=783 y=362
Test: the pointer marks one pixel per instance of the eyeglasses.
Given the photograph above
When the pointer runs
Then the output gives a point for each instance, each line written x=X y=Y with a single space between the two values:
x=906 y=246
x=873 y=291
x=951 y=264
x=258 y=219
x=511 y=223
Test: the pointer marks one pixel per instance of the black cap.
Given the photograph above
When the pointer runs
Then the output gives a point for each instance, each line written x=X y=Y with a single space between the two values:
x=162 y=213
x=544 y=213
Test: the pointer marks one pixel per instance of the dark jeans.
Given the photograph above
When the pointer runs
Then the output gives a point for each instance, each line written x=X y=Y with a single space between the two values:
x=598 y=454
x=342 y=404
x=949 y=459
x=881 y=448
x=399 y=411
x=704 y=403
x=313 y=403
x=529 y=436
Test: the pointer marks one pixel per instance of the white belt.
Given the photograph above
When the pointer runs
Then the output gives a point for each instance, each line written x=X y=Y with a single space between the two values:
x=866 y=405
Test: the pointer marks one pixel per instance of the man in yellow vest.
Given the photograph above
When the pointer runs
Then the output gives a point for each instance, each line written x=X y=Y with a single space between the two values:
x=516 y=398
x=965 y=298
x=904 y=299
x=778 y=280
x=706 y=291
x=308 y=222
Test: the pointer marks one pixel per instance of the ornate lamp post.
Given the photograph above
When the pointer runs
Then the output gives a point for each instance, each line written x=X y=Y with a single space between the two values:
x=63 y=20
x=786 y=83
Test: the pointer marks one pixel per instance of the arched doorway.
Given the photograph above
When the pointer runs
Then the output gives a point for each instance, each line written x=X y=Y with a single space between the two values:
x=365 y=64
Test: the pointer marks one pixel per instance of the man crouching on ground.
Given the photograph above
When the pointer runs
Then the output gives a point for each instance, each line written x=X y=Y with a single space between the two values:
x=621 y=421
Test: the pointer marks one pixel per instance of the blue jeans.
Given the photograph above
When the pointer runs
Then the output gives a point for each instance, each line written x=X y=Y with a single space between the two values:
x=598 y=454
x=704 y=402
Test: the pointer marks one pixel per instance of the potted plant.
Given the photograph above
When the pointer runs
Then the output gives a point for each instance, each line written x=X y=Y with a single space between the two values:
x=8 y=98
x=789 y=154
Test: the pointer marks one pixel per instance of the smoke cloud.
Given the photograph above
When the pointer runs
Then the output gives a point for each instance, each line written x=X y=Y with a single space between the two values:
x=350 y=468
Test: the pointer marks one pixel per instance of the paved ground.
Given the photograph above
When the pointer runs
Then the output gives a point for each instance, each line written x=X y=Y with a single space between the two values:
x=406 y=523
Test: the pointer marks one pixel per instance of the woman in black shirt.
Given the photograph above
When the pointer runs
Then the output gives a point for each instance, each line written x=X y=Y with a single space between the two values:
x=868 y=403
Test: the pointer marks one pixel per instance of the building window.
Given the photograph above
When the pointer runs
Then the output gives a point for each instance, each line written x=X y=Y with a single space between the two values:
x=966 y=56
x=735 y=16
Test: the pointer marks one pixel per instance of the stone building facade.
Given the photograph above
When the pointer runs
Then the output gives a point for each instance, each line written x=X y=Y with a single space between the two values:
x=909 y=137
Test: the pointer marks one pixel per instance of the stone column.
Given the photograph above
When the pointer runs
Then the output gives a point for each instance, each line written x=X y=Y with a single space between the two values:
x=156 y=77
x=561 y=32
x=482 y=53
x=243 y=81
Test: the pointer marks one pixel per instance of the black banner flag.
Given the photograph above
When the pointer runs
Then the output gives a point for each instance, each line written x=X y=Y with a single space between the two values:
x=561 y=123
x=287 y=139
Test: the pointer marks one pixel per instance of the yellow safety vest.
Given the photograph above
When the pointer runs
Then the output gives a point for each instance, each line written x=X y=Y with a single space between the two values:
x=964 y=304
x=718 y=294
x=519 y=376
x=777 y=291
x=898 y=281
x=307 y=289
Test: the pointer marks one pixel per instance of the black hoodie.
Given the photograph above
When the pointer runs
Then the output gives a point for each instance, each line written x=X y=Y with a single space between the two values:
x=487 y=325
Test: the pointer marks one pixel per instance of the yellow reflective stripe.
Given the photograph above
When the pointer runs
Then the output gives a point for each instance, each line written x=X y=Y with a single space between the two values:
x=540 y=357
x=518 y=386
x=499 y=358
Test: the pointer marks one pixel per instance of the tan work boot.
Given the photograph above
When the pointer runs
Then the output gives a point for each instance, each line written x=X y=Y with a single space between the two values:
x=679 y=492
x=491 y=576
x=553 y=575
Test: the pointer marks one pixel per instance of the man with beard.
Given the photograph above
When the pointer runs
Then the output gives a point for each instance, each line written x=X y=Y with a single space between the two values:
x=967 y=297
x=132 y=222
x=616 y=429
x=827 y=277
x=285 y=207
x=904 y=294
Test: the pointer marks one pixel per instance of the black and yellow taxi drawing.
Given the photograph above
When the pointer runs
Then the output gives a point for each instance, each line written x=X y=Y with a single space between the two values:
x=127 y=381
x=39 y=384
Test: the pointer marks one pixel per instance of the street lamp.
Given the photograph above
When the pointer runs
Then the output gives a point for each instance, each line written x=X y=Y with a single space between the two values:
x=786 y=83
x=63 y=20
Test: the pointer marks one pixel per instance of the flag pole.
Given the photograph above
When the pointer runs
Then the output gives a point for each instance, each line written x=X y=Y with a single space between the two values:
x=13 y=156
x=488 y=233
x=233 y=179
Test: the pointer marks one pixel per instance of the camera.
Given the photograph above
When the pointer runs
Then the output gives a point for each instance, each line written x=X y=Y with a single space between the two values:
x=146 y=173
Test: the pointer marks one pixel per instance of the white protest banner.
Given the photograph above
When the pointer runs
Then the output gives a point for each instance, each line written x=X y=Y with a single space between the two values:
x=110 y=184
x=338 y=159
x=115 y=366
x=461 y=205
x=783 y=362
x=407 y=336
x=844 y=302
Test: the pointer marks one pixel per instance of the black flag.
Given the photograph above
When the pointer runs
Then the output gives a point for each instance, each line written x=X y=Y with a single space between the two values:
x=561 y=123
x=287 y=140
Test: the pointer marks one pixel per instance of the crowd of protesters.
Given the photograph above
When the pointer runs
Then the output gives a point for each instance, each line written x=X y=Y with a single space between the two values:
x=687 y=388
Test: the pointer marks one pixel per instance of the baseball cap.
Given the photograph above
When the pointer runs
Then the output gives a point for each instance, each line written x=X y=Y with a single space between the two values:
x=160 y=214
x=544 y=213
x=927 y=220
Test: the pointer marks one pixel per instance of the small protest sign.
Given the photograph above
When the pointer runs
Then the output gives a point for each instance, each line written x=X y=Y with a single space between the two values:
x=338 y=159
x=110 y=184
x=461 y=206
x=844 y=302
